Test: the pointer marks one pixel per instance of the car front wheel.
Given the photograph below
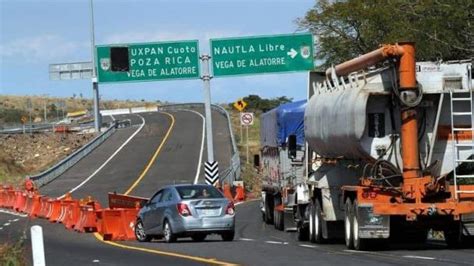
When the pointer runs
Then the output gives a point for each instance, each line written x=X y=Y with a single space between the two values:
x=140 y=234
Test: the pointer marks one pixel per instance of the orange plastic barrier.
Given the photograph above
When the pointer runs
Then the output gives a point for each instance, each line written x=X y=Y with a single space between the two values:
x=240 y=193
x=36 y=205
x=72 y=214
x=29 y=204
x=227 y=192
x=45 y=207
x=20 y=200
x=3 y=196
x=10 y=198
x=87 y=218
x=117 y=224
x=63 y=216
x=54 y=211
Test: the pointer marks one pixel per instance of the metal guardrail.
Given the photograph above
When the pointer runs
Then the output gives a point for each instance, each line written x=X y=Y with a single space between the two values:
x=52 y=173
x=233 y=172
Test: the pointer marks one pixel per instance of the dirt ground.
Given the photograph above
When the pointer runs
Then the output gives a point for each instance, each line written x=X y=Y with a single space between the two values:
x=25 y=154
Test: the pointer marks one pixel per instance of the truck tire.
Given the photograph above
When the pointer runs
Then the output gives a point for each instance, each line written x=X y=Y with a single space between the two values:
x=453 y=235
x=318 y=222
x=311 y=222
x=348 y=227
x=268 y=209
x=359 y=243
x=278 y=216
x=303 y=228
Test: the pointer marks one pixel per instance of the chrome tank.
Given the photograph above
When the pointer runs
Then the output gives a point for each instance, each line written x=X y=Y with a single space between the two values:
x=335 y=123
x=354 y=119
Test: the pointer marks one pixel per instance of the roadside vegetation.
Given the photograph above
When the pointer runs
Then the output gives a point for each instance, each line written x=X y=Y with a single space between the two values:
x=12 y=107
x=257 y=105
x=442 y=30
x=13 y=254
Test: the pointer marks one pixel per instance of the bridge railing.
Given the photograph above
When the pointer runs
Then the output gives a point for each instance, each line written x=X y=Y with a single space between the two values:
x=232 y=173
x=52 y=173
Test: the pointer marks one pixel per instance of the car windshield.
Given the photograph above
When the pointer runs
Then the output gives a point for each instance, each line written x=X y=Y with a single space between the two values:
x=198 y=192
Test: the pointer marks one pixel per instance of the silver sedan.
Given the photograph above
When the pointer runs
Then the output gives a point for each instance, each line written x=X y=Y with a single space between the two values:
x=186 y=211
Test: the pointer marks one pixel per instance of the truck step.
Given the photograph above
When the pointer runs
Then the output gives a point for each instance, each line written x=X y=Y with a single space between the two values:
x=466 y=191
x=463 y=129
x=462 y=113
x=462 y=99
x=465 y=161
x=291 y=229
x=464 y=176
x=464 y=144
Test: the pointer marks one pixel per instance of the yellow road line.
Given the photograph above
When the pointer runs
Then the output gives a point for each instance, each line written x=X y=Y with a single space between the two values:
x=130 y=189
x=159 y=252
x=153 y=158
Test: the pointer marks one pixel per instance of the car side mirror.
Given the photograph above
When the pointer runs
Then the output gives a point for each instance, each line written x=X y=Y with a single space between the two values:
x=256 y=160
x=292 y=146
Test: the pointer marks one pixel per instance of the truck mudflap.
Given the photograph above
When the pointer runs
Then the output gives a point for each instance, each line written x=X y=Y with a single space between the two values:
x=372 y=225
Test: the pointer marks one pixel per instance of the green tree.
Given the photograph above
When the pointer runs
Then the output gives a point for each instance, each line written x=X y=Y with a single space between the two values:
x=256 y=103
x=442 y=29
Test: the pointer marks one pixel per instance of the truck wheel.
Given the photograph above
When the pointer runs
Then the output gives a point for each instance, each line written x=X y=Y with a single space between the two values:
x=359 y=243
x=278 y=216
x=303 y=228
x=311 y=222
x=348 y=219
x=453 y=235
x=318 y=222
x=303 y=233
x=268 y=210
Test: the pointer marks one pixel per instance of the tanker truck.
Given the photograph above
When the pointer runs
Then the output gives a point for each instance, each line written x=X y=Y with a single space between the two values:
x=388 y=153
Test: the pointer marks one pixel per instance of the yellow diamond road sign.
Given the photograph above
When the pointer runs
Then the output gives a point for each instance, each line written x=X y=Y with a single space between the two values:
x=240 y=105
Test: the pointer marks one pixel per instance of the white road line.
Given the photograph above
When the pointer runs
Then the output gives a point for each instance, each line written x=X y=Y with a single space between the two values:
x=6 y=224
x=198 y=171
x=1 y=228
x=307 y=246
x=276 y=242
x=246 y=239
x=113 y=118
x=109 y=159
x=13 y=213
x=418 y=257
x=16 y=220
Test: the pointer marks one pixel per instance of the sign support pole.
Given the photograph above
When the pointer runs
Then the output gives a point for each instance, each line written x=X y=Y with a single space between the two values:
x=241 y=132
x=206 y=78
x=95 y=84
x=247 y=129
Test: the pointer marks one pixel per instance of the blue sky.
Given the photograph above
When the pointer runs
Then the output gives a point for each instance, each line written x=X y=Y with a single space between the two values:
x=35 y=33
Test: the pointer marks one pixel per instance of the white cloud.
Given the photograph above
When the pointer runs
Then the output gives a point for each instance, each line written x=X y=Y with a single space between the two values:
x=47 y=47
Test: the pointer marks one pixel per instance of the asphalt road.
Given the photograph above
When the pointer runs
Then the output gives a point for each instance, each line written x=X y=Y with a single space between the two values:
x=177 y=162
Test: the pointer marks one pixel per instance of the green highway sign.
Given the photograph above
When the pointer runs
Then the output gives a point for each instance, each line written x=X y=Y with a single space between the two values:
x=148 y=61
x=262 y=54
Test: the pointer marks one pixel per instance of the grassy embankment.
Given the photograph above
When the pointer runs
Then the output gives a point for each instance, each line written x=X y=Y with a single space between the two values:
x=249 y=175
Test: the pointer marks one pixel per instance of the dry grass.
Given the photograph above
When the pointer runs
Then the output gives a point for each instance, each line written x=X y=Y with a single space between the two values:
x=13 y=254
x=77 y=103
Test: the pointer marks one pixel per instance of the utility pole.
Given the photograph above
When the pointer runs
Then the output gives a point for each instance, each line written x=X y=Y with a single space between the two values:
x=95 y=84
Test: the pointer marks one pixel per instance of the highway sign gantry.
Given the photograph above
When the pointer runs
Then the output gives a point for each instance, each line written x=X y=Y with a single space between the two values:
x=240 y=105
x=211 y=171
x=148 y=61
x=262 y=54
